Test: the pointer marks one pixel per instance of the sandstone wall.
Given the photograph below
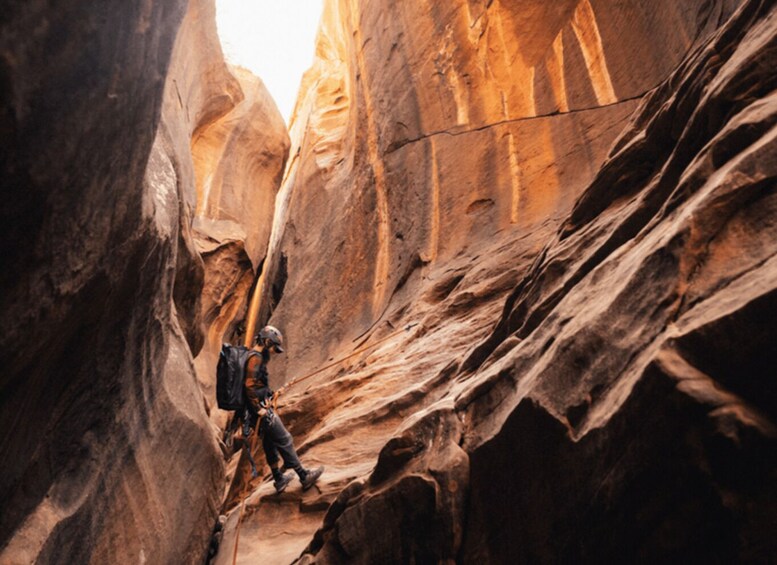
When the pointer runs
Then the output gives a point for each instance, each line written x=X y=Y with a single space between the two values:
x=589 y=379
x=425 y=128
x=108 y=454
x=239 y=161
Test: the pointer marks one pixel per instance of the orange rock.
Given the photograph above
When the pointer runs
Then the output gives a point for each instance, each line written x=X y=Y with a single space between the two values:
x=239 y=159
x=572 y=199
x=417 y=139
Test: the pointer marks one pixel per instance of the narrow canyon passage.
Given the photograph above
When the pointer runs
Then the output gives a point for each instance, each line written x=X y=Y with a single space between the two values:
x=569 y=205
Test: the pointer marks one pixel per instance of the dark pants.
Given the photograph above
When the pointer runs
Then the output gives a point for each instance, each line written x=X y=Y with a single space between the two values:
x=276 y=439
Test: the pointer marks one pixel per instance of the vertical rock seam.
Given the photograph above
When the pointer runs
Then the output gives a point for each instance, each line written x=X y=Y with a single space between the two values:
x=380 y=278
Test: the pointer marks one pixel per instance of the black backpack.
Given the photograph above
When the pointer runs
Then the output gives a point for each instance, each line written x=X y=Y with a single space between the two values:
x=230 y=373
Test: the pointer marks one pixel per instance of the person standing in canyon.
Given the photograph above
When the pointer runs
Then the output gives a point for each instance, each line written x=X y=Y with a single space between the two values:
x=276 y=440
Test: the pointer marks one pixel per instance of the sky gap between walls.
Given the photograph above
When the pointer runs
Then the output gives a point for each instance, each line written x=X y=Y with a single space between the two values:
x=273 y=39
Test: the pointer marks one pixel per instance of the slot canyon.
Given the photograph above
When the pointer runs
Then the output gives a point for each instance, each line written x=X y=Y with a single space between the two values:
x=531 y=244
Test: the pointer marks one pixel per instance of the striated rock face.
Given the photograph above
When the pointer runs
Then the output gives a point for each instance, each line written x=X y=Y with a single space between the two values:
x=552 y=221
x=239 y=160
x=108 y=454
x=423 y=128
x=645 y=331
x=575 y=202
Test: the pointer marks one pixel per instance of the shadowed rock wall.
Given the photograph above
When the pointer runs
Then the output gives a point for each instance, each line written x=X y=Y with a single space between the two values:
x=108 y=454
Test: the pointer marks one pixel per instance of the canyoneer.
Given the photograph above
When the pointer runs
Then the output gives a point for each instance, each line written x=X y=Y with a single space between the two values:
x=276 y=440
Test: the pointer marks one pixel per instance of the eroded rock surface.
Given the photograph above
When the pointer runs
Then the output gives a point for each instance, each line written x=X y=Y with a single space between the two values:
x=239 y=161
x=589 y=250
x=571 y=203
x=108 y=453
x=425 y=127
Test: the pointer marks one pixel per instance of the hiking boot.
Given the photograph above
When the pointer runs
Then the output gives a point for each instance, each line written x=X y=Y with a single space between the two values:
x=311 y=477
x=281 y=483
